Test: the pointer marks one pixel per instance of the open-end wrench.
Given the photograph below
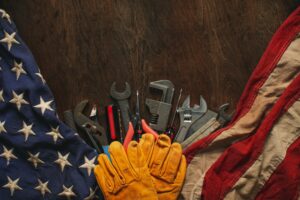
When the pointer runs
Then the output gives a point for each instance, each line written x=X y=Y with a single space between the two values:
x=223 y=117
x=122 y=99
x=188 y=116
x=95 y=132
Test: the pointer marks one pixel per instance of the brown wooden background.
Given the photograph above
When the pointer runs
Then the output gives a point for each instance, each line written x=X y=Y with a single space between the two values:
x=207 y=47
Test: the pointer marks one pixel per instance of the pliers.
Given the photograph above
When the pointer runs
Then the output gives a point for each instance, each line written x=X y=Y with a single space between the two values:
x=130 y=133
x=93 y=129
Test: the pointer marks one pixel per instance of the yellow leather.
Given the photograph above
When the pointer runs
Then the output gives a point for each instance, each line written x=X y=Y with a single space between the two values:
x=127 y=177
x=166 y=163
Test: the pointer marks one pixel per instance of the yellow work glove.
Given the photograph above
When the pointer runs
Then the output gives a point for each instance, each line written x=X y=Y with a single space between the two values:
x=166 y=163
x=127 y=177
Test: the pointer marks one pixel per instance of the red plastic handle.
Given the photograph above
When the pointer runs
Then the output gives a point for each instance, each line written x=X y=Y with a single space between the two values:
x=111 y=122
x=130 y=133
x=148 y=129
x=129 y=136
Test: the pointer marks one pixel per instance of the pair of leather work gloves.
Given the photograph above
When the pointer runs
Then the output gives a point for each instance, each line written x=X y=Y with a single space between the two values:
x=151 y=169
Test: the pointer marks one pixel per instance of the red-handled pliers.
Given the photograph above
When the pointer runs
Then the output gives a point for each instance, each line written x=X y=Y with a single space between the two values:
x=130 y=133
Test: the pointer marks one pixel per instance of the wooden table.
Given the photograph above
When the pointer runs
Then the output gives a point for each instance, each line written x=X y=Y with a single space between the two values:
x=206 y=47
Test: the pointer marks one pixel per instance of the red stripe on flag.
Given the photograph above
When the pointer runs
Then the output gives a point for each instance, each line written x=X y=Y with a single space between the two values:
x=233 y=163
x=285 y=180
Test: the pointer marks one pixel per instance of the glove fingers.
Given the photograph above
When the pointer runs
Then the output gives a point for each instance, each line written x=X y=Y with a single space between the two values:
x=136 y=157
x=171 y=165
x=181 y=171
x=172 y=190
x=105 y=184
x=147 y=143
x=159 y=154
x=120 y=162
x=105 y=173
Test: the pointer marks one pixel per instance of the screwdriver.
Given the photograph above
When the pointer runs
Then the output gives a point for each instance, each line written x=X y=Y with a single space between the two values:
x=138 y=127
x=120 y=126
x=170 y=130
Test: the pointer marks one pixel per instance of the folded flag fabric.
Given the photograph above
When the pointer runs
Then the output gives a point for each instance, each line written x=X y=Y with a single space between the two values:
x=40 y=157
x=255 y=156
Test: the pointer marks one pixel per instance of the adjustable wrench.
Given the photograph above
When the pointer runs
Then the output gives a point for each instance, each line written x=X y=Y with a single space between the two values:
x=222 y=117
x=188 y=116
x=207 y=124
x=122 y=99
x=160 y=110
x=201 y=122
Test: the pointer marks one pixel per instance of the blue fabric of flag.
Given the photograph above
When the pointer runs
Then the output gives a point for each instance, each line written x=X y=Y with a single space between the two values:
x=40 y=157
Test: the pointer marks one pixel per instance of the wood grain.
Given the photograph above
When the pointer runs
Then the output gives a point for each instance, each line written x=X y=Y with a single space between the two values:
x=208 y=48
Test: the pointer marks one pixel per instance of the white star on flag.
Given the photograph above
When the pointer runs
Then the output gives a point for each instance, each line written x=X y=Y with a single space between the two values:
x=40 y=76
x=1 y=96
x=8 y=154
x=63 y=161
x=26 y=130
x=44 y=105
x=67 y=192
x=18 y=69
x=34 y=159
x=2 y=128
x=43 y=187
x=18 y=100
x=5 y=15
x=55 y=134
x=12 y=185
x=89 y=164
x=92 y=195
x=9 y=39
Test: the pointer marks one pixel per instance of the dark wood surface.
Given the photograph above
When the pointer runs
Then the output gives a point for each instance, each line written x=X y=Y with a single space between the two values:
x=206 y=47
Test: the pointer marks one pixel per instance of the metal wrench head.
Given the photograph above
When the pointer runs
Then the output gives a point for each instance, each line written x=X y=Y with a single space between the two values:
x=120 y=95
x=188 y=116
x=167 y=88
x=186 y=103
x=203 y=105
x=222 y=115
x=85 y=122
x=201 y=108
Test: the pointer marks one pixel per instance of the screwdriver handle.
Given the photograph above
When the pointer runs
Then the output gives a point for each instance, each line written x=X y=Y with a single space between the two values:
x=111 y=122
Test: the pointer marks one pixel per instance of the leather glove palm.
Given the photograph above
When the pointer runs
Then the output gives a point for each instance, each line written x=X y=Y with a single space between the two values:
x=127 y=176
x=166 y=163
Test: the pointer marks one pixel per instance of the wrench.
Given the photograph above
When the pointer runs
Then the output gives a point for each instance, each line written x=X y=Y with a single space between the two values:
x=188 y=116
x=160 y=110
x=122 y=99
x=223 y=117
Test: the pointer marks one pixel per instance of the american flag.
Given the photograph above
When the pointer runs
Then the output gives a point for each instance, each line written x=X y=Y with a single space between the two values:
x=40 y=157
x=256 y=156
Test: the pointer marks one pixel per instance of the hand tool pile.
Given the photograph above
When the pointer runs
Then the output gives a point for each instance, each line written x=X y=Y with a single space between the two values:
x=149 y=165
x=123 y=125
